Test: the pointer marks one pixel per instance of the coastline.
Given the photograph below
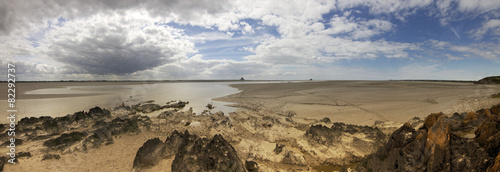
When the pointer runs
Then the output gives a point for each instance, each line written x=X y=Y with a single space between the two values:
x=363 y=102
x=266 y=130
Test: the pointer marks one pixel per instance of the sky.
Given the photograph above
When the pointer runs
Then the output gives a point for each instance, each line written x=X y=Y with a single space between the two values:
x=259 y=40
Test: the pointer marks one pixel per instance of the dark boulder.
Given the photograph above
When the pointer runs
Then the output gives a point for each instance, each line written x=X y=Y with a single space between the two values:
x=150 y=154
x=175 y=141
x=201 y=154
x=251 y=166
x=325 y=120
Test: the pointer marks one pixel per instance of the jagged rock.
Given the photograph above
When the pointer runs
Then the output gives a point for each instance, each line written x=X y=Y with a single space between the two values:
x=268 y=121
x=167 y=114
x=64 y=141
x=331 y=136
x=50 y=125
x=151 y=152
x=192 y=153
x=207 y=155
x=435 y=146
x=488 y=133
x=325 y=120
x=147 y=108
x=496 y=165
x=51 y=156
x=175 y=141
x=104 y=134
x=401 y=137
x=279 y=148
x=178 y=104
x=293 y=159
x=467 y=155
x=251 y=166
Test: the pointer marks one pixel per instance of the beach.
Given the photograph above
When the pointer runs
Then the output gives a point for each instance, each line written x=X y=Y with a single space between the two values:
x=280 y=126
x=364 y=102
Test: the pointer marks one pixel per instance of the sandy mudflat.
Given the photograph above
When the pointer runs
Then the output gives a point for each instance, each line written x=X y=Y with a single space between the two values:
x=23 y=87
x=364 y=102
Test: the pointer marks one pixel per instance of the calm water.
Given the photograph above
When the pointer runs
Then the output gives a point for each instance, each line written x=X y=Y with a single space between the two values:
x=199 y=94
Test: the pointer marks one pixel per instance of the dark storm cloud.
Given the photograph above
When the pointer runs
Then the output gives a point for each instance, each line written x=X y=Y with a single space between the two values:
x=114 y=45
x=110 y=59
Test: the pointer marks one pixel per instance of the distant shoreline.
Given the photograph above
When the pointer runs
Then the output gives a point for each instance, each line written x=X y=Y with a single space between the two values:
x=222 y=80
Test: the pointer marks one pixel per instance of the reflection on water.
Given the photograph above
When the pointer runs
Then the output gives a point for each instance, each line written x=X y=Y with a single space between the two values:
x=199 y=94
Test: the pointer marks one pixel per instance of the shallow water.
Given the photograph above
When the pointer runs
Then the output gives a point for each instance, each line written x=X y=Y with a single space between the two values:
x=199 y=94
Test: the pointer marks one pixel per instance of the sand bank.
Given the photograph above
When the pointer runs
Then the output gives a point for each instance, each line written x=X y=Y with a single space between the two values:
x=364 y=102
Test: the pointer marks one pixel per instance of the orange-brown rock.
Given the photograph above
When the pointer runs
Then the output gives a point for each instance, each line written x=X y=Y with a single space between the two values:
x=496 y=166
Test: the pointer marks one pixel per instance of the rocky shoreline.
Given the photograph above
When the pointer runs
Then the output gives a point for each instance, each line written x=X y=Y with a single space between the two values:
x=251 y=141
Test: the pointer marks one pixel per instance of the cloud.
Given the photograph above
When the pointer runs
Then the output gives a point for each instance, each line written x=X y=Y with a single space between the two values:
x=357 y=28
x=114 y=44
x=491 y=26
x=478 y=5
x=23 y=15
x=490 y=51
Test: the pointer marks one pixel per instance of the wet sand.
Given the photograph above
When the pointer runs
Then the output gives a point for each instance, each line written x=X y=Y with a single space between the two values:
x=23 y=87
x=364 y=102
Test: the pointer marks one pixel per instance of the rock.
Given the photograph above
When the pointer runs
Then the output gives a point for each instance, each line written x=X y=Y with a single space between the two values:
x=268 y=121
x=435 y=146
x=251 y=166
x=51 y=156
x=293 y=159
x=496 y=165
x=488 y=134
x=210 y=106
x=401 y=137
x=167 y=114
x=64 y=141
x=175 y=141
x=103 y=135
x=279 y=148
x=207 y=155
x=147 y=108
x=331 y=136
x=17 y=142
x=3 y=160
x=192 y=153
x=467 y=155
x=325 y=120
x=150 y=154
x=178 y=104
x=23 y=154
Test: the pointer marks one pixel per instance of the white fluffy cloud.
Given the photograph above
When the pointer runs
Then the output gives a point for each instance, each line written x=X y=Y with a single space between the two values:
x=491 y=26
